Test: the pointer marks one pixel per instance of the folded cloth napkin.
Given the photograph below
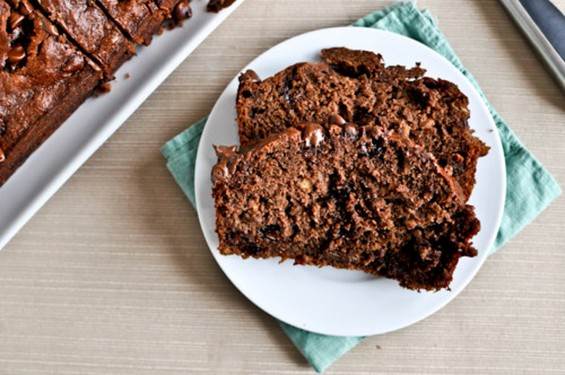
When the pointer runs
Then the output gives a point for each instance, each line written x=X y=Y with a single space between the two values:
x=530 y=187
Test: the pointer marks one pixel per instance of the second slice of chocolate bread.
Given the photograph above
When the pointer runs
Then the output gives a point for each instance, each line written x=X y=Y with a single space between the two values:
x=345 y=196
x=357 y=86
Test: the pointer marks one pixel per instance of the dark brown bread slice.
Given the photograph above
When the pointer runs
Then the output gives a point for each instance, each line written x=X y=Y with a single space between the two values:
x=357 y=86
x=139 y=19
x=43 y=79
x=97 y=35
x=348 y=197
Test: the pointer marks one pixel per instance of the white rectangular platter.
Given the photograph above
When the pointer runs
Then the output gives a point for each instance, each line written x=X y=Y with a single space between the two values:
x=98 y=118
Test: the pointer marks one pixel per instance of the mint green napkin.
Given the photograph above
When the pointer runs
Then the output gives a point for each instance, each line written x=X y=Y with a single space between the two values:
x=530 y=187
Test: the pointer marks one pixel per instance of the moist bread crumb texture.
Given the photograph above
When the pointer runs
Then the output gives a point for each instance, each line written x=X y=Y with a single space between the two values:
x=357 y=86
x=351 y=164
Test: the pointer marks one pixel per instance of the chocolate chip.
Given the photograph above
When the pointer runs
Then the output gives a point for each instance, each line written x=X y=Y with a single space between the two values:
x=15 y=20
x=252 y=248
x=217 y=5
x=25 y=7
x=50 y=28
x=271 y=232
x=336 y=119
x=94 y=66
x=458 y=158
x=16 y=55
x=313 y=134
x=254 y=77
x=182 y=11
x=219 y=172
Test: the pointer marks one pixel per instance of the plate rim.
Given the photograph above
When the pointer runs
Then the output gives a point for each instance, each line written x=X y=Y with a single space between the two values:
x=501 y=165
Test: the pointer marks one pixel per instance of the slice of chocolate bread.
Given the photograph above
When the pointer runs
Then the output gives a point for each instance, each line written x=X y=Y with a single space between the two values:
x=139 y=19
x=357 y=86
x=89 y=26
x=349 y=197
x=43 y=79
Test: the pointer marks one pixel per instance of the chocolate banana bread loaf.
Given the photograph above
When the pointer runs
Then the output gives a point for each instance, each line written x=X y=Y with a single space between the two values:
x=43 y=79
x=351 y=197
x=356 y=85
x=53 y=55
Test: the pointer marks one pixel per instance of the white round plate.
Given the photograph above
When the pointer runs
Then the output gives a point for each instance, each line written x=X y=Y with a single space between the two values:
x=342 y=302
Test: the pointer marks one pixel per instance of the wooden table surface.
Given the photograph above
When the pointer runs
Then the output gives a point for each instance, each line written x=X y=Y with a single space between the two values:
x=113 y=274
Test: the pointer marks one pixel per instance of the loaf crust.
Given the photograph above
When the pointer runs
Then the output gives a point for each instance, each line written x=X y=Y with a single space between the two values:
x=40 y=90
x=89 y=26
x=140 y=20
x=53 y=56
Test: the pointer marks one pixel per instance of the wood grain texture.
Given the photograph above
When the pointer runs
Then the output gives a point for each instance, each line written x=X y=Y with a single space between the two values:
x=113 y=275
